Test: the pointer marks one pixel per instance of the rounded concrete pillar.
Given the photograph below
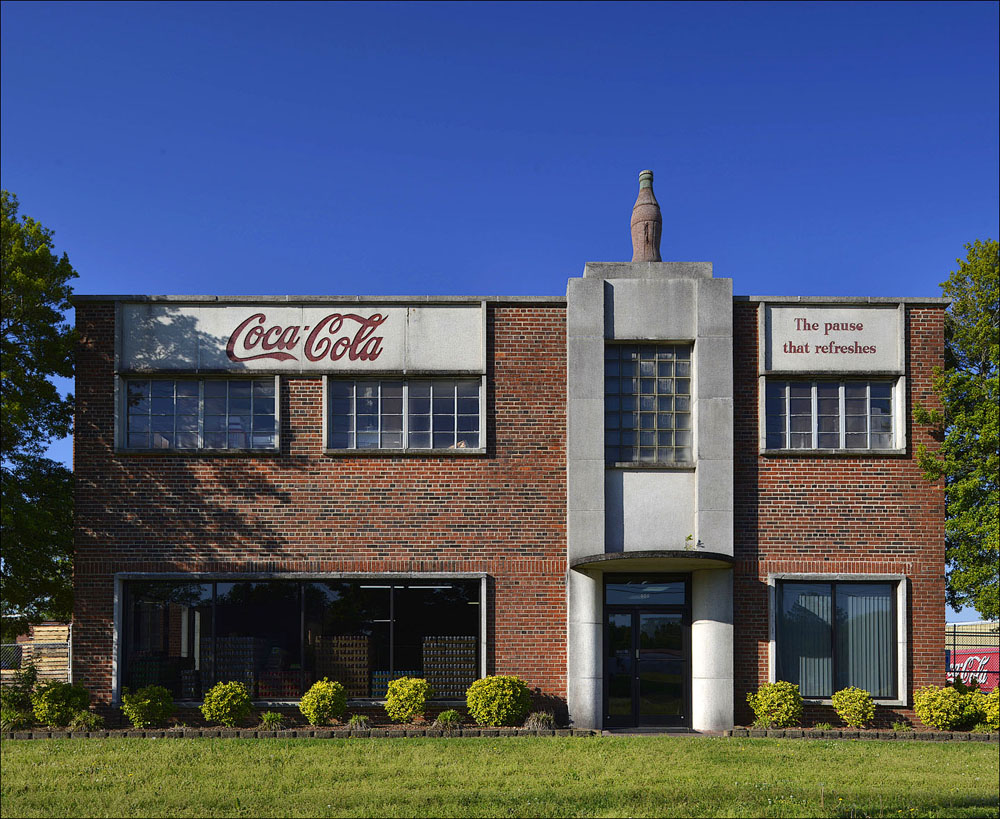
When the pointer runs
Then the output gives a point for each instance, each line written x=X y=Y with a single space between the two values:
x=712 y=649
x=583 y=660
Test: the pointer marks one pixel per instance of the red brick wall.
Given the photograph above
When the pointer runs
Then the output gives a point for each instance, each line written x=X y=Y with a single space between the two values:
x=503 y=514
x=855 y=514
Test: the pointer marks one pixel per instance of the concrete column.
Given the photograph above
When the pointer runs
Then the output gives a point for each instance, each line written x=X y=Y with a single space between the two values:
x=584 y=660
x=712 y=649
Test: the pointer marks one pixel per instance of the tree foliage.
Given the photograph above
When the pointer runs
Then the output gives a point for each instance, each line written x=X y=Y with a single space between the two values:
x=36 y=523
x=969 y=456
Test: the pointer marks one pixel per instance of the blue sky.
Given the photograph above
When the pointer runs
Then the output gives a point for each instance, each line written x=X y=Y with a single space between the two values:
x=393 y=149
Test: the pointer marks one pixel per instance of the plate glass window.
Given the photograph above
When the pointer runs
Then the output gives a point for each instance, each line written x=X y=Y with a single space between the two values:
x=647 y=403
x=200 y=413
x=834 y=635
x=435 y=414
x=829 y=414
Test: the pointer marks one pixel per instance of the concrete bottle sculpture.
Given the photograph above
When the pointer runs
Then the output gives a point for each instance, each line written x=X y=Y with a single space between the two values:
x=647 y=224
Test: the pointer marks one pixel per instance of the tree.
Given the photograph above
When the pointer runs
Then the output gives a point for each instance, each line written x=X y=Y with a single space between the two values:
x=968 y=458
x=36 y=520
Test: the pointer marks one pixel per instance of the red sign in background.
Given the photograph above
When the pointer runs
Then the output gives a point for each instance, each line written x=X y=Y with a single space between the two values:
x=982 y=665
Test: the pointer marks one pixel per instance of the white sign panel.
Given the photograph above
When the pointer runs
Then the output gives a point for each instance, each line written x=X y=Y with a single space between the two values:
x=841 y=339
x=309 y=338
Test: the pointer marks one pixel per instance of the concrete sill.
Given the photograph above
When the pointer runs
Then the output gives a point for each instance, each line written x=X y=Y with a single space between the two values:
x=405 y=453
x=659 y=467
x=893 y=703
x=199 y=453
x=833 y=453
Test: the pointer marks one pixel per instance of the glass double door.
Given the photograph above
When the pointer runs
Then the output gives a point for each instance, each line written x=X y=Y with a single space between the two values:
x=646 y=668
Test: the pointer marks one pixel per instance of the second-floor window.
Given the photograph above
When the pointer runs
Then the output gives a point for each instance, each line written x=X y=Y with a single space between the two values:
x=398 y=414
x=829 y=414
x=191 y=413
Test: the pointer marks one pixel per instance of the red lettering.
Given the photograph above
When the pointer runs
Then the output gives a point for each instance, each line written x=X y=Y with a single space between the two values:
x=325 y=341
x=250 y=340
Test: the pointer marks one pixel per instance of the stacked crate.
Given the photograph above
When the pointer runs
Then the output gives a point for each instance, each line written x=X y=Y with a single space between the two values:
x=450 y=665
x=189 y=684
x=147 y=670
x=237 y=659
x=345 y=658
x=282 y=685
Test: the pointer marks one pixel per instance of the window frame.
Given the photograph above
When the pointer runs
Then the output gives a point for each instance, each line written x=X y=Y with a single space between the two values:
x=897 y=386
x=899 y=620
x=122 y=414
x=404 y=450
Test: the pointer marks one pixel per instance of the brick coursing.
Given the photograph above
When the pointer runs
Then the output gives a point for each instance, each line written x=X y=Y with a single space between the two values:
x=858 y=514
x=304 y=511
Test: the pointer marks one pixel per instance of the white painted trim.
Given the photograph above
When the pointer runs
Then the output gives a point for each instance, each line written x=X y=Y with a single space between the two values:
x=902 y=632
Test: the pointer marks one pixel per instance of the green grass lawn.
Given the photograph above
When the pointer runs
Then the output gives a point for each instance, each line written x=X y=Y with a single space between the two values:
x=598 y=776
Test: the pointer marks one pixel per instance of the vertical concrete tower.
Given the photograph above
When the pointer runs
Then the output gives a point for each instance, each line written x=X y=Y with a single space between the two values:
x=650 y=489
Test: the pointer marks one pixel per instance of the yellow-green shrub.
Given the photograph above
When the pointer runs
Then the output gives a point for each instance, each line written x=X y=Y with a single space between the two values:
x=324 y=702
x=227 y=704
x=777 y=704
x=854 y=706
x=56 y=703
x=498 y=700
x=147 y=706
x=991 y=709
x=406 y=698
x=940 y=708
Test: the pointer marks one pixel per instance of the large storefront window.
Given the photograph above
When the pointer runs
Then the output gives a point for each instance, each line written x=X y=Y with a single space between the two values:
x=834 y=635
x=280 y=636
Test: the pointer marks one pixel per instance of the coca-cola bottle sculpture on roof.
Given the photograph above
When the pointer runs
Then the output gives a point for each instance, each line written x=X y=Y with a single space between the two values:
x=647 y=223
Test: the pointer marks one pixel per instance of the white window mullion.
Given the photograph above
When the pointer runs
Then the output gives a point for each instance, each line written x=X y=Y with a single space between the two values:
x=842 y=420
x=406 y=415
x=814 y=413
x=788 y=414
x=201 y=413
x=868 y=415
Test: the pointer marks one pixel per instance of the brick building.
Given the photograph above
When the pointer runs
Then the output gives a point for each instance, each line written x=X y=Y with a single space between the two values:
x=644 y=499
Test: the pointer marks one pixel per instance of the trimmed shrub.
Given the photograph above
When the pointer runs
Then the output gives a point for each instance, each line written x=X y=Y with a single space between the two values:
x=777 y=705
x=540 y=721
x=939 y=708
x=56 y=703
x=448 y=721
x=324 y=702
x=16 y=694
x=406 y=698
x=498 y=700
x=86 y=721
x=271 y=721
x=854 y=706
x=991 y=708
x=226 y=703
x=147 y=707
x=359 y=722
x=15 y=719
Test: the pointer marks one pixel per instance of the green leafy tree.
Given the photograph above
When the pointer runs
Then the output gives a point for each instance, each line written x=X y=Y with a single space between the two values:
x=36 y=522
x=968 y=458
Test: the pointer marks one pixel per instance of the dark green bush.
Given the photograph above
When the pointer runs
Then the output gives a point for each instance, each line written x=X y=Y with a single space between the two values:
x=148 y=707
x=227 y=704
x=777 y=705
x=448 y=721
x=324 y=702
x=13 y=719
x=406 y=698
x=56 y=703
x=498 y=700
x=16 y=694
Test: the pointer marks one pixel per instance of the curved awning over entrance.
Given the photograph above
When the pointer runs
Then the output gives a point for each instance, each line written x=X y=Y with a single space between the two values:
x=653 y=560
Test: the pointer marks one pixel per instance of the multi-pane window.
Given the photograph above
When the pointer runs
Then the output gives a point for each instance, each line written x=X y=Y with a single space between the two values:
x=404 y=414
x=200 y=413
x=829 y=414
x=647 y=403
x=834 y=635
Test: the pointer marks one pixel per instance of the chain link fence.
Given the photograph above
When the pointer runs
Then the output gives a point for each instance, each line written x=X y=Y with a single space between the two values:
x=972 y=653
x=51 y=659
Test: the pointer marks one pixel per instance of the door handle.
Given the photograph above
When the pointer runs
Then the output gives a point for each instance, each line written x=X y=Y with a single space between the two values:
x=637 y=654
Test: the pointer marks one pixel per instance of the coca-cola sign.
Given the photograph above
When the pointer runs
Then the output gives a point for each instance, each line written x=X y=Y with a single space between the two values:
x=981 y=666
x=320 y=338
x=334 y=336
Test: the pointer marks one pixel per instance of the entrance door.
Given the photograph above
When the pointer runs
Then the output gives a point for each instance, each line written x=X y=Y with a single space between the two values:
x=646 y=675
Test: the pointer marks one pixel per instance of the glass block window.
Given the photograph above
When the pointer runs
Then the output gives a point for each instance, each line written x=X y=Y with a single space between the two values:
x=200 y=414
x=647 y=403
x=829 y=414
x=404 y=414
